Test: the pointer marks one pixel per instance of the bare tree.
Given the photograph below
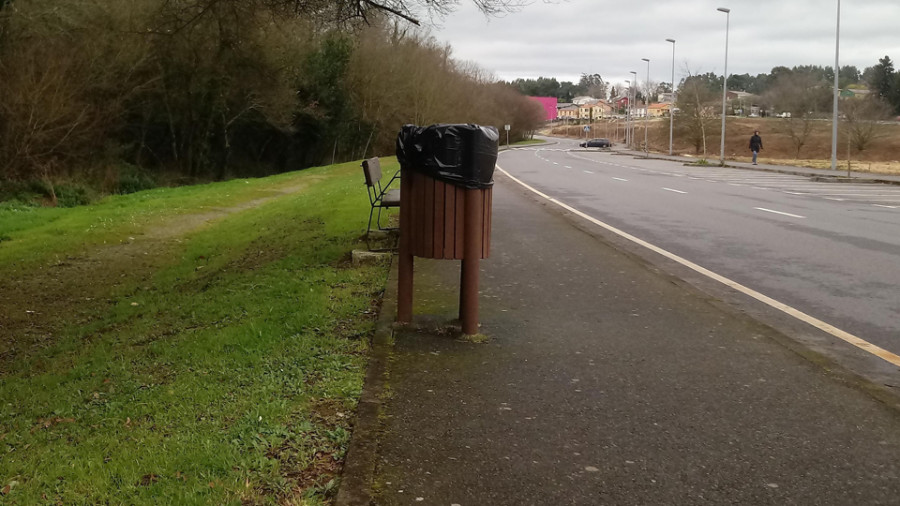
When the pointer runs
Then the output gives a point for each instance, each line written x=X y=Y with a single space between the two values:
x=861 y=117
x=803 y=97
x=65 y=80
x=593 y=85
x=696 y=99
x=202 y=87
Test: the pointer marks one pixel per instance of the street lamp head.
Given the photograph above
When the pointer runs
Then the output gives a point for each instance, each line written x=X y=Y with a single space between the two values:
x=723 y=9
x=646 y=60
x=632 y=72
x=670 y=40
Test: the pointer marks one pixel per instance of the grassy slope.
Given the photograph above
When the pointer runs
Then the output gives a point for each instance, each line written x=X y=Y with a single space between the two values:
x=228 y=377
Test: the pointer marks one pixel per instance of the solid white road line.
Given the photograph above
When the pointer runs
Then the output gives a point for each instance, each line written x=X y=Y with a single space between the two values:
x=796 y=313
x=672 y=190
x=779 y=212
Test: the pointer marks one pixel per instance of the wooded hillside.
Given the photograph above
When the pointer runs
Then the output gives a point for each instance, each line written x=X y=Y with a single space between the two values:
x=123 y=92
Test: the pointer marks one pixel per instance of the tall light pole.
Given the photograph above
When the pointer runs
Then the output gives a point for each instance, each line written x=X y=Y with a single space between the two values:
x=634 y=83
x=672 y=106
x=724 y=84
x=834 y=119
x=627 y=112
x=646 y=109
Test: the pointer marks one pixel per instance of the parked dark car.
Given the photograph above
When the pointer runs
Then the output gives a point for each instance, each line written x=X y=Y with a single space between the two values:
x=596 y=143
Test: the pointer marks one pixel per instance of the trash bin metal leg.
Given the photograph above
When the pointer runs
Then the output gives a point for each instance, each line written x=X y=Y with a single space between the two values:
x=405 y=267
x=468 y=296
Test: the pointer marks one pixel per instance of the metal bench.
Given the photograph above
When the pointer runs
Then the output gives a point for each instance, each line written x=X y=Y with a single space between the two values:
x=380 y=196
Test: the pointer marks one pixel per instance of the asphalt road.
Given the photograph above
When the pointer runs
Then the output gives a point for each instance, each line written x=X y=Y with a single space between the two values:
x=831 y=250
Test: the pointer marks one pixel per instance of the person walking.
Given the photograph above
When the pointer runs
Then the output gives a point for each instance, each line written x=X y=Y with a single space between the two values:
x=755 y=144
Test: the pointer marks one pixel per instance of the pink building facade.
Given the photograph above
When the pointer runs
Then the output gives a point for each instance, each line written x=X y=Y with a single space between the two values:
x=549 y=104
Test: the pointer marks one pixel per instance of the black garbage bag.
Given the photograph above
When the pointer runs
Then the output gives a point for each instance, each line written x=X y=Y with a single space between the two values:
x=462 y=155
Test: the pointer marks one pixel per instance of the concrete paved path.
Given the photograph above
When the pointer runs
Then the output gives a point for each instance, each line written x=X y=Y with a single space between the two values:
x=605 y=381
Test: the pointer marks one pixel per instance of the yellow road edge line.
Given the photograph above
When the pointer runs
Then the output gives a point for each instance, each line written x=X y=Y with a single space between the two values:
x=796 y=313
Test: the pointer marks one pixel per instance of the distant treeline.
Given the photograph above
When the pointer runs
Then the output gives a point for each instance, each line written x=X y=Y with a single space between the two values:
x=589 y=85
x=881 y=78
x=200 y=89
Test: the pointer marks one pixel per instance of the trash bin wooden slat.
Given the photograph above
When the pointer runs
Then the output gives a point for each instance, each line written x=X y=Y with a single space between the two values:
x=436 y=217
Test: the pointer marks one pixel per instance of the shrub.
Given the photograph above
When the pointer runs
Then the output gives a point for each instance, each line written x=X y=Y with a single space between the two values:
x=71 y=194
x=133 y=179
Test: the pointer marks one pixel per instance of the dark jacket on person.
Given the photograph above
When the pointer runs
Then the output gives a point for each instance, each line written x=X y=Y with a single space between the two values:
x=755 y=143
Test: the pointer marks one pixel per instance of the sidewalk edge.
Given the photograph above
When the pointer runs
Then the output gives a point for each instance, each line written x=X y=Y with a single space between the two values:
x=355 y=487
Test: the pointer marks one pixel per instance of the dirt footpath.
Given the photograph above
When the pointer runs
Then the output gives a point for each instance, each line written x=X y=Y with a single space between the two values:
x=71 y=289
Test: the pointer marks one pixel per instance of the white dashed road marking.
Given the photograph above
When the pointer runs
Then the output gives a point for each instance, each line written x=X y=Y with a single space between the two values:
x=779 y=212
x=673 y=190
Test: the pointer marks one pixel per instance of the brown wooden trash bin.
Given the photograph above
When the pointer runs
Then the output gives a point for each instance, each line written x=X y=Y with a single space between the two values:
x=443 y=221
x=436 y=217
x=446 y=195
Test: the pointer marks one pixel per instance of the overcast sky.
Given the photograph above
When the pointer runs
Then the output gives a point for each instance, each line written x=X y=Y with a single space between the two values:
x=564 y=39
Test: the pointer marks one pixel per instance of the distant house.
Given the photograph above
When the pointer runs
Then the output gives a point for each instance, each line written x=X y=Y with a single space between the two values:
x=743 y=103
x=584 y=110
x=569 y=111
x=855 y=93
x=549 y=105
x=594 y=110
x=620 y=102
x=601 y=109
x=740 y=95
x=658 y=110
x=583 y=100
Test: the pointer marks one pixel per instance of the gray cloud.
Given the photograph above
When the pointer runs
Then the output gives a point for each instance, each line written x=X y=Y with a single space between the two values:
x=568 y=38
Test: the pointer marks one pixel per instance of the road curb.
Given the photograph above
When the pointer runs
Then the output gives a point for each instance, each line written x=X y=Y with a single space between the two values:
x=355 y=487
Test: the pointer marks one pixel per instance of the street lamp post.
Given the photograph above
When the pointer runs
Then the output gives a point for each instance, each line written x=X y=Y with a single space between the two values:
x=834 y=119
x=627 y=114
x=724 y=84
x=634 y=83
x=646 y=109
x=672 y=106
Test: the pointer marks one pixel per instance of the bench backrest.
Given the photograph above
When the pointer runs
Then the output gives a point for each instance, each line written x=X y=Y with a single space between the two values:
x=372 y=171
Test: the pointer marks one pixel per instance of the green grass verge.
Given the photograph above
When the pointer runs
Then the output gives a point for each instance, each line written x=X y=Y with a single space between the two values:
x=30 y=235
x=529 y=141
x=228 y=377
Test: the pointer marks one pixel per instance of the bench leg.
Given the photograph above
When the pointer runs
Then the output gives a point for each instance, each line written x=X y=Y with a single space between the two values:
x=369 y=228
